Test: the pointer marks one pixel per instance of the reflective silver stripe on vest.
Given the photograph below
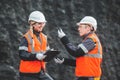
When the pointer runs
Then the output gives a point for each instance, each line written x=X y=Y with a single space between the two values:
x=96 y=55
x=31 y=43
x=83 y=48
x=23 y=48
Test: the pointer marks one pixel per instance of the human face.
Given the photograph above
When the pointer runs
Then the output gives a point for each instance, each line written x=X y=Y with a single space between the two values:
x=38 y=26
x=84 y=29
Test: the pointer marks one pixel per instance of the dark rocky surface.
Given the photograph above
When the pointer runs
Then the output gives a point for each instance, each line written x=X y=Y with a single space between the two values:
x=64 y=14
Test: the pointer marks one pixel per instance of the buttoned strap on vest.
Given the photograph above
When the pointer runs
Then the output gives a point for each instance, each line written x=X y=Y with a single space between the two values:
x=34 y=46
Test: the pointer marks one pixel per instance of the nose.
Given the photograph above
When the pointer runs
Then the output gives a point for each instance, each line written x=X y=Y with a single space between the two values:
x=79 y=28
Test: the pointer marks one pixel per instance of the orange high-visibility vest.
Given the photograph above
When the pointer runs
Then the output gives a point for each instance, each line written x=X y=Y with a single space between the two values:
x=89 y=65
x=34 y=46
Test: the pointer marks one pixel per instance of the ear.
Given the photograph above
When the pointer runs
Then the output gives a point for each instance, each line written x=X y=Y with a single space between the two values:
x=92 y=29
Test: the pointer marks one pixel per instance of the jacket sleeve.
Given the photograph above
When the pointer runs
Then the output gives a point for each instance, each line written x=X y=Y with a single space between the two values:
x=79 y=50
x=70 y=62
x=23 y=51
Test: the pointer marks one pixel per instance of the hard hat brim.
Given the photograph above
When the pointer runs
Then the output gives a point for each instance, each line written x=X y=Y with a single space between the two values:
x=82 y=23
x=78 y=23
x=37 y=21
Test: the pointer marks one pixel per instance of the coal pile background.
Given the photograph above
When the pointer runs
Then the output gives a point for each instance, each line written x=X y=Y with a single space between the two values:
x=64 y=14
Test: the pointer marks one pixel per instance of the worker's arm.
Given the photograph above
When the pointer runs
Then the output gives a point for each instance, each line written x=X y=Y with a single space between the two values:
x=79 y=50
x=70 y=62
x=65 y=61
x=23 y=51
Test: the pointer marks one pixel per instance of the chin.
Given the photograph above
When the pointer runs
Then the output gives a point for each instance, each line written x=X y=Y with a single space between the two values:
x=81 y=35
x=40 y=30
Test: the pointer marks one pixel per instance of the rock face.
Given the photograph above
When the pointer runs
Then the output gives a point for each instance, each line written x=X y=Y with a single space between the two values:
x=64 y=14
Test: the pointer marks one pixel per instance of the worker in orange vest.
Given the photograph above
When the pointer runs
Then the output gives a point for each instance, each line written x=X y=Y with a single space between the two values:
x=32 y=47
x=88 y=53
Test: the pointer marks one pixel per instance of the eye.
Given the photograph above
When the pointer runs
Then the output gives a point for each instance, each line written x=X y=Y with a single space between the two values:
x=33 y=24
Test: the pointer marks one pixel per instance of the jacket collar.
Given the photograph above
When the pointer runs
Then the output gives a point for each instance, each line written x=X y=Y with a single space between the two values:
x=86 y=35
x=36 y=33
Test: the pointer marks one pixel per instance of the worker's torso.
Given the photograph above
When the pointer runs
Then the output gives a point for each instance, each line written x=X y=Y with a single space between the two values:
x=89 y=64
x=35 y=45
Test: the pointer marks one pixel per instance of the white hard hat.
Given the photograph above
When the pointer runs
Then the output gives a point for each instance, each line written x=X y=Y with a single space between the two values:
x=89 y=20
x=37 y=16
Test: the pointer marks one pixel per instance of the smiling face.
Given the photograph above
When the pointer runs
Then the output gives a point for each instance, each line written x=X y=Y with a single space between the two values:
x=37 y=26
x=84 y=29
